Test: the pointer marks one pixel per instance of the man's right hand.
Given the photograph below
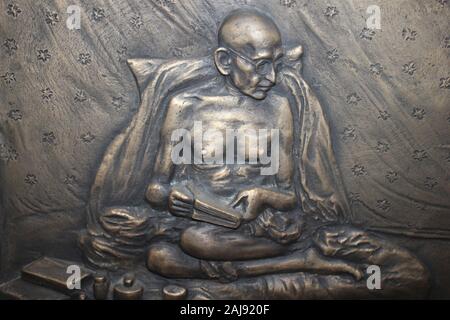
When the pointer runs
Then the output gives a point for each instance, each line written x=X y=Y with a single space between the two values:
x=282 y=227
x=181 y=202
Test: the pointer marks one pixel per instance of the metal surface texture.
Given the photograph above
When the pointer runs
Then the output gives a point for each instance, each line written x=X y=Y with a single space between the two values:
x=225 y=149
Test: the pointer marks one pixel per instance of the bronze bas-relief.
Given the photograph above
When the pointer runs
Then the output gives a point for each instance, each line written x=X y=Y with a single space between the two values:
x=188 y=150
x=224 y=230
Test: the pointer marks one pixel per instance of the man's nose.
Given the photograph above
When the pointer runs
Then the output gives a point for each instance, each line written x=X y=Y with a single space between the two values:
x=271 y=75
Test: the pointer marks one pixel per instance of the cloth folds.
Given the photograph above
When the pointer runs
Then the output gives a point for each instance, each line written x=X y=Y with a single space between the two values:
x=126 y=168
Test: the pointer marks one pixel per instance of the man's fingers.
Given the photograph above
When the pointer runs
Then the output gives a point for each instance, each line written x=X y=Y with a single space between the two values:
x=182 y=204
x=275 y=233
x=294 y=234
x=178 y=195
x=180 y=210
x=238 y=200
x=284 y=236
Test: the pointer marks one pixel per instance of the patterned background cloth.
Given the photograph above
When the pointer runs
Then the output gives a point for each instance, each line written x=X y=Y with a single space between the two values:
x=66 y=93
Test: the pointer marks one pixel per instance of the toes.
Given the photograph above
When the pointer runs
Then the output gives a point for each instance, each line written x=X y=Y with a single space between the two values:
x=355 y=272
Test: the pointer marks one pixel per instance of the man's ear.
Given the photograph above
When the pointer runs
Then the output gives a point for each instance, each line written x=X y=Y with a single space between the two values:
x=294 y=53
x=222 y=60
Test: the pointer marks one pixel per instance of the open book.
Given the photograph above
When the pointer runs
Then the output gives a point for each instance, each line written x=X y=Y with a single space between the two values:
x=208 y=210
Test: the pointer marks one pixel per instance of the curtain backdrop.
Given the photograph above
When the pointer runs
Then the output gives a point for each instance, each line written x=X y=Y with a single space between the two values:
x=64 y=94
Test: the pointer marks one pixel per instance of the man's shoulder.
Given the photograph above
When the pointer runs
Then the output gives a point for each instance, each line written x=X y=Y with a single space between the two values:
x=280 y=102
x=182 y=99
x=192 y=96
x=279 y=97
x=282 y=111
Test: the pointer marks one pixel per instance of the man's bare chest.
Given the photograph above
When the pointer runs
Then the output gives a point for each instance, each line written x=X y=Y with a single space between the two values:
x=233 y=117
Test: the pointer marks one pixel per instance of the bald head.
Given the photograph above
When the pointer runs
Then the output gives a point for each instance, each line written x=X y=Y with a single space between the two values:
x=248 y=31
x=249 y=52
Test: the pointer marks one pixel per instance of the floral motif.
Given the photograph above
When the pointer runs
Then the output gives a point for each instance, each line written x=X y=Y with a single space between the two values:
x=11 y=46
x=392 y=176
x=136 y=22
x=330 y=12
x=49 y=138
x=353 y=99
x=8 y=153
x=87 y=137
x=446 y=42
x=84 y=58
x=288 y=3
x=70 y=179
x=383 y=204
x=332 y=55
x=348 y=133
x=359 y=170
x=382 y=147
x=30 y=179
x=383 y=115
x=51 y=17
x=420 y=155
x=367 y=33
x=15 y=115
x=80 y=96
x=118 y=102
x=97 y=14
x=13 y=10
x=46 y=94
x=430 y=183
x=376 y=68
x=43 y=55
x=409 y=34
x=409 y=68
x=9 y=77
x=418 y=113
x=444 y=83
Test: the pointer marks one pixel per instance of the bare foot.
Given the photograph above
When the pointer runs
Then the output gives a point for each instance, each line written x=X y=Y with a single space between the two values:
x=221 y=271
x=346 y=242
x=326 y=265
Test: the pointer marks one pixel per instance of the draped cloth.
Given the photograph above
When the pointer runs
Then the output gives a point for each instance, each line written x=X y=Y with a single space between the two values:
x=126 y=168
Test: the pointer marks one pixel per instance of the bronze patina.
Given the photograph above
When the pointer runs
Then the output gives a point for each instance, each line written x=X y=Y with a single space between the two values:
x=224 y=183
x=226 y=221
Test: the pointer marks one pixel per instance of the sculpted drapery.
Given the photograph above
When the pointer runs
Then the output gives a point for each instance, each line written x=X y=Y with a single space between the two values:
x=126 y=168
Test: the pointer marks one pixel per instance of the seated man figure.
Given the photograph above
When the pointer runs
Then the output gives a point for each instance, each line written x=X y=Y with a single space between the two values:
x=250 y=50
x=233 y=222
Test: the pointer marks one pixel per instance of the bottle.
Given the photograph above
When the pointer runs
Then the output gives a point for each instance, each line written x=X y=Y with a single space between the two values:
x=101 y=287
x=129 y=289
x=174 y=292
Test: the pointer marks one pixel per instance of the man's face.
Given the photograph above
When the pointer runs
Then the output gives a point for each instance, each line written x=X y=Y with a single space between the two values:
x=255 y=73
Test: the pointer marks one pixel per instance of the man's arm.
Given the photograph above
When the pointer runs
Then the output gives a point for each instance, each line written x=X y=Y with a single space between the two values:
x=159 y=189
x=283 y=198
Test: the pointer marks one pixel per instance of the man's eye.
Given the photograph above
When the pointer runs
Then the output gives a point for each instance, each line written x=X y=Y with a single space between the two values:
x=278 y=66
x=263 y=67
